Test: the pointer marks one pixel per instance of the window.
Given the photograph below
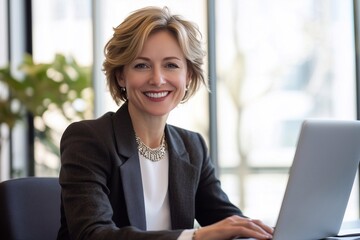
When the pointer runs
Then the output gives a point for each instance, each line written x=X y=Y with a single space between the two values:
x=278 y=62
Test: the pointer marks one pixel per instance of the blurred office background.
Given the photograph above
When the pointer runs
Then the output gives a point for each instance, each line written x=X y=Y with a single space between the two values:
x=271 y=64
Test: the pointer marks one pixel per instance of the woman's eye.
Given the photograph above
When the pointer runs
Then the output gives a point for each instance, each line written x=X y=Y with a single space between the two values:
x=141 y=66
x=172 y=65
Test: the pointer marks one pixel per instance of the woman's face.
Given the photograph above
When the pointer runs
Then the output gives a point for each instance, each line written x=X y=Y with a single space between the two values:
x=156 y=80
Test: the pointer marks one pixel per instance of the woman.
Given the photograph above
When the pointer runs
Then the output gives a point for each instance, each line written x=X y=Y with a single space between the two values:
x=130 y=175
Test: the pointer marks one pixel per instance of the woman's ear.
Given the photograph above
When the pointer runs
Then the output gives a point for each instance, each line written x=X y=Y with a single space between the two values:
x=189 y=77
x=120 y=79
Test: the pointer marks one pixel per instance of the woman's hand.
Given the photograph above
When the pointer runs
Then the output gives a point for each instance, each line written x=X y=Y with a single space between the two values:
x=235 y=226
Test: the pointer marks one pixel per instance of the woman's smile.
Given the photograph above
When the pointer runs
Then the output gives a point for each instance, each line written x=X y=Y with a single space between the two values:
x=156 y=96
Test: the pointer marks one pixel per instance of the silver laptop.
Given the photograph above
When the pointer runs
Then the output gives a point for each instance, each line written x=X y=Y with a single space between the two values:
x=320 y=181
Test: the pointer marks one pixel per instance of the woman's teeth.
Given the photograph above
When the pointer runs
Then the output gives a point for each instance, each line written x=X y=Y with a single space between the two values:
x=156 y=95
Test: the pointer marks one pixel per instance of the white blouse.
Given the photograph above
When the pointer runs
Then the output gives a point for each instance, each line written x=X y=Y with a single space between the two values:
x=155 y=180
x=155 y=186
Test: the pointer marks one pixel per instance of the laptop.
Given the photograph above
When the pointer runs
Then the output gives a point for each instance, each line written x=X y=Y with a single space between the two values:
x=320 y=180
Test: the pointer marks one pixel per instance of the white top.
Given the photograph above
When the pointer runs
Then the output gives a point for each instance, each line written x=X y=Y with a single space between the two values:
x=155 y=180
x=155 y=185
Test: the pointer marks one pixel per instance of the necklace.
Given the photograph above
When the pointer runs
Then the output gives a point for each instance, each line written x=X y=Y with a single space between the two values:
x=153 y=154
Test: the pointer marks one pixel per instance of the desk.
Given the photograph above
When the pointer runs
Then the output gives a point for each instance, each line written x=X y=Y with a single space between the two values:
x=347 y=228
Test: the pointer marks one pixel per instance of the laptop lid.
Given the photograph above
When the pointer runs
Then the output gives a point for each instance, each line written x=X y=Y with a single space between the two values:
x=320 y=180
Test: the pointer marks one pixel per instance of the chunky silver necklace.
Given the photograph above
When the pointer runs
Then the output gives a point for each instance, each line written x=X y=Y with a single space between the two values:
x=153 y=154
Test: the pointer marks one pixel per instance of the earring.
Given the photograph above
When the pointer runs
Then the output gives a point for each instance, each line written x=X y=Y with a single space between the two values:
x=122 y=89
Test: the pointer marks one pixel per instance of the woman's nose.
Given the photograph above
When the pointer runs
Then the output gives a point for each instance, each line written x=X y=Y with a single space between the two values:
x=158 y=77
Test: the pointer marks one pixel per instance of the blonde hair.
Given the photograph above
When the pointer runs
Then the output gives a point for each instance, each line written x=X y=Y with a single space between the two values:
x=129 y=38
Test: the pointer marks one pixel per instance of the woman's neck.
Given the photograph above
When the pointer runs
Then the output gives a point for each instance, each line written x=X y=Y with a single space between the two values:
x=150 y=129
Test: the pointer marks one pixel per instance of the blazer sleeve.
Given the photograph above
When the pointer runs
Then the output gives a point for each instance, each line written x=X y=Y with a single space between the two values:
x=212 y=203
x=85 y=171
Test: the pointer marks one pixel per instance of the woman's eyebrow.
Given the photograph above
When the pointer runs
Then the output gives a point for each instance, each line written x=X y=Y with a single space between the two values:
x=142 y=58
x=172 y=58
x=166 y=58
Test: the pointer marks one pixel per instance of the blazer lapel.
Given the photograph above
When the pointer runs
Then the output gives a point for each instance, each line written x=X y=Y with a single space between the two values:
x=182 y=177
x=130 y=171
x=133 y=191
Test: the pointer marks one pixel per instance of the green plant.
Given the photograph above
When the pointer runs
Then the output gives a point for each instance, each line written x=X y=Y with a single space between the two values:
x=39 y=89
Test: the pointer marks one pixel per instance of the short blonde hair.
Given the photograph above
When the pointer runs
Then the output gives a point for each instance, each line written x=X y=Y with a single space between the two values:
x=130 y=36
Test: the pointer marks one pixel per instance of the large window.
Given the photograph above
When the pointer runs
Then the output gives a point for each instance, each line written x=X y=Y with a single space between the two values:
x=278 y=63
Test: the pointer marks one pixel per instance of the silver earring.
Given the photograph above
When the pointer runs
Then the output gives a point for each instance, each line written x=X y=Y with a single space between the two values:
x=122 y=89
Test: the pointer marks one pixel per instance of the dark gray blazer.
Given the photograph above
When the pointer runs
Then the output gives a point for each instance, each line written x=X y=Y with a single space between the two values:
x=102 y=195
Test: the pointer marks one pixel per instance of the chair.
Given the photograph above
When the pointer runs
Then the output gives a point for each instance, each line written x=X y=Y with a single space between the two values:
x=29 y=208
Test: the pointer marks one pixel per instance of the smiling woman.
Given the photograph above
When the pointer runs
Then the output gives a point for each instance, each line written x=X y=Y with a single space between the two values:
x=130 y=174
